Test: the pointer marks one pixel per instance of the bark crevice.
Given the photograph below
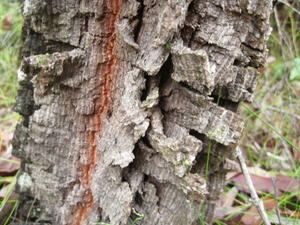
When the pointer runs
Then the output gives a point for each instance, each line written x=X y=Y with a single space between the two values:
x=139 y=20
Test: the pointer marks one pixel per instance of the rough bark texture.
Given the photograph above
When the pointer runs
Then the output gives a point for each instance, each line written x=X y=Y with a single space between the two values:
x=130 y=105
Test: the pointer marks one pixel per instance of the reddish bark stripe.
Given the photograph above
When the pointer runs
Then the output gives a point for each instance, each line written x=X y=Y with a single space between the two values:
x=107 y=74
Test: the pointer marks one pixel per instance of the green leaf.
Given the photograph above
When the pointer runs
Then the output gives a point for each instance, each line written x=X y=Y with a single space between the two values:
x=295 y=69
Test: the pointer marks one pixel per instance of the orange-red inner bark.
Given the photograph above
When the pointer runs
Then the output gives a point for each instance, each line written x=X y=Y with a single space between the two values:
x=106 y=74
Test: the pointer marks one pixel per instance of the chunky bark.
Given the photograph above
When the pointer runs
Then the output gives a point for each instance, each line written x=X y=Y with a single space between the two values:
x=130 y=105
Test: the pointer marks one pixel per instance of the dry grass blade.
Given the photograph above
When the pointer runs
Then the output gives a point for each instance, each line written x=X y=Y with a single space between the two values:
x=289 y=5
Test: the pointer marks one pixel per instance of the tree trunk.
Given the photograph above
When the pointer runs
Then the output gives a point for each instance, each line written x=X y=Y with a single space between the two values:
x=129 y=106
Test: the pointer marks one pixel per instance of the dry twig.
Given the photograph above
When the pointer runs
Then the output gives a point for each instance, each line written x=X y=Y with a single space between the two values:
x=255 y=199
x=282 y=111
x=289 y=5
x=276 y=195
x=284 y=39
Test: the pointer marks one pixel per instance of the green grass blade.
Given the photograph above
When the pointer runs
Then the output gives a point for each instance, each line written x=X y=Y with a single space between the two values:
x=271 y=127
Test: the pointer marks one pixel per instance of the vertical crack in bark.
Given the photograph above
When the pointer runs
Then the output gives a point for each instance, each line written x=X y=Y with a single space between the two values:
x=106 y=72
x=145 y=91
x=140 y=20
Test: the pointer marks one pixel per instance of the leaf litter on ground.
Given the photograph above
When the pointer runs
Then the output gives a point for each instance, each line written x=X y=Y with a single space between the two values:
x=239 y=210
x=265 y=184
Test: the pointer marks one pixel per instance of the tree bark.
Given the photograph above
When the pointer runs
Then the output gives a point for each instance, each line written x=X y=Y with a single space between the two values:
x=129 y=106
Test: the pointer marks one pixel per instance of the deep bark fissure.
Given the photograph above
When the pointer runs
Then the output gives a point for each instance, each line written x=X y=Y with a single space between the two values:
x=145 y=141
x=37 y=44
x=194 y=90
x=251 y=47
x=165 y=72
x=139 y=194
x=219 y=97
x=216 y=175
x=84 y=29
x=139 y=18
x=133 y=166
x=145 y=91
x=201 y=157
x=187 y=33
x=197 y=135
x=230 y=105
